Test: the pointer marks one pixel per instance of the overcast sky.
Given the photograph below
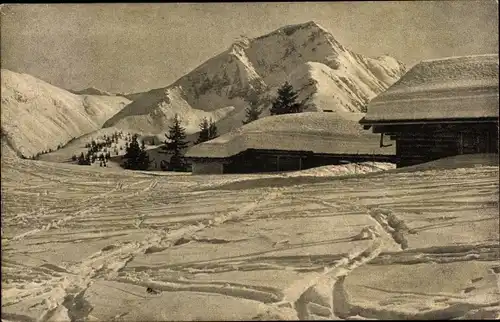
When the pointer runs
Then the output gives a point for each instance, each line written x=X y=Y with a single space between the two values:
x=136 y=47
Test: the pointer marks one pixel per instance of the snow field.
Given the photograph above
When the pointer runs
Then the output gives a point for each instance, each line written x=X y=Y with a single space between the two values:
x=329 y=249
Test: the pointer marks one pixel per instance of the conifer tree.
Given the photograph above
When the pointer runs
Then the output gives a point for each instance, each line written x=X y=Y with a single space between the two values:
x=212 y=130
x=87 y=159
x=286 y=102
x=208 y=131
x=136 y=157
x=81 y=159
x=204 y=131
x=84 y=159
x=175 y=144
x=252 y=113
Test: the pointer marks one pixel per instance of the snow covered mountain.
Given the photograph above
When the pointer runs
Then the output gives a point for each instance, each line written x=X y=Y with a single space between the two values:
x=37 y=116
x=328 y=76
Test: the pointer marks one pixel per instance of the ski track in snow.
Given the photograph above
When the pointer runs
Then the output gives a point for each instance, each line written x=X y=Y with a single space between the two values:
x=139 y=223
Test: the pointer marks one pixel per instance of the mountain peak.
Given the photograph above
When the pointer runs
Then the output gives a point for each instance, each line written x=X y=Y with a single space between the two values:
x=313 y=24
x=327 y=76
x=310 y=24
x=289 y=30
x=244 y=42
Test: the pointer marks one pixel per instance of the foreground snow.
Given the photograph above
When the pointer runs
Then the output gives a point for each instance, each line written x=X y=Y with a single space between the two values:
x=81 y=243
x=345 y=169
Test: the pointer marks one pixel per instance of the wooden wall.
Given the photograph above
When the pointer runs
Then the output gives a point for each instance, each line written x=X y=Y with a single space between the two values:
x=419 y=144
x=261 y=161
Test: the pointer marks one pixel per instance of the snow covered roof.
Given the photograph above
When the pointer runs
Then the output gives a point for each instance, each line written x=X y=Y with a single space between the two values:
x=317 y=132
x=449 y=88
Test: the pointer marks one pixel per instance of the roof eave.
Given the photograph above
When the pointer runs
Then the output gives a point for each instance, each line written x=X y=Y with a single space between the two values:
x=368 y=123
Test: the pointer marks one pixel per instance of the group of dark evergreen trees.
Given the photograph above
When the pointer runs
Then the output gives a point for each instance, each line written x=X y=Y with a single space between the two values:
x=90 y=157
x=136 y=157
x=94 y=147
x=208 y=131
x=176 y=143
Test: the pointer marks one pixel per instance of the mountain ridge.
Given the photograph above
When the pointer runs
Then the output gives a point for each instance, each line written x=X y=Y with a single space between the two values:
x=37 y=116
x=255 y=68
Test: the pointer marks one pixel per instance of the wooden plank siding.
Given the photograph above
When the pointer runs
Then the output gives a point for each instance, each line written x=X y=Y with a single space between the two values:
x=257 y=161
x=426 y=142
x=262 y=161
x=267 y=161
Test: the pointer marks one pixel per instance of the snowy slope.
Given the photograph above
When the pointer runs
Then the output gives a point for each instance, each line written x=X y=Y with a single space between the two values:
x=37 y=116
x=328 y=76
x=342 y=170
x=6 y=148
x=140 y=117
x=82 y=243
x=7 y=151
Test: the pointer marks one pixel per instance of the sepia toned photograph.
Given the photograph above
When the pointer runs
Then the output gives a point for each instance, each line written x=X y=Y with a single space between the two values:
x=250 y=161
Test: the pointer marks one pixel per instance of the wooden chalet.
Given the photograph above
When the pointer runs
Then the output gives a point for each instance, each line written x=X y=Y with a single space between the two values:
x=288 y=143
x=440 y=108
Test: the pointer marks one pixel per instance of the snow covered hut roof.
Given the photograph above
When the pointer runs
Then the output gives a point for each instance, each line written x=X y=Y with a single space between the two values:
x=448 y=88
x=317 y=132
